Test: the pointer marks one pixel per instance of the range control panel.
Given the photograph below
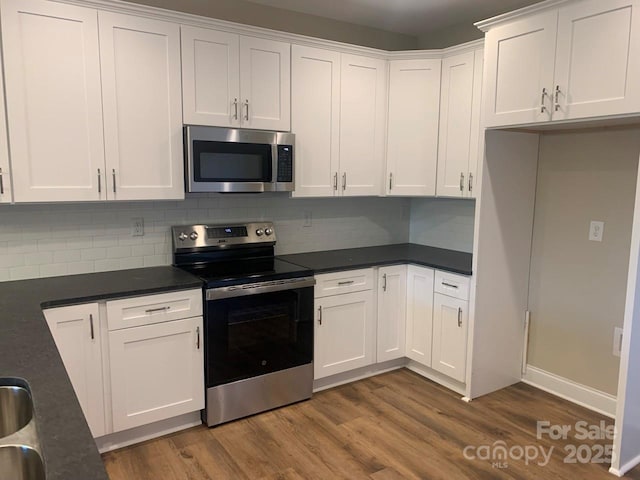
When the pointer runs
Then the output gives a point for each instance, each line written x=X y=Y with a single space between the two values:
x=207 y=236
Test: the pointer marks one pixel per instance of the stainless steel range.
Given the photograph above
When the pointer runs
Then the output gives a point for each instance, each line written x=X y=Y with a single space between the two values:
x=258 y=318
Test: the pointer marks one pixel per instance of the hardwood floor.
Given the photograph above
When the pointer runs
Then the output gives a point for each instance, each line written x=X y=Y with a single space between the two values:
x=390 y=427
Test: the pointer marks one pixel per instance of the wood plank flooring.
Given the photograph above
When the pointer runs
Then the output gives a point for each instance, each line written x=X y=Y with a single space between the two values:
x=390 y=427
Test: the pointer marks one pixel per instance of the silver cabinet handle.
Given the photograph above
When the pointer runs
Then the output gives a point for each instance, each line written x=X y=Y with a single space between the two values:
x=335 y=181
x=344 y=181
x=390 y=180
x=461 y=182
x=91 y=326
x=451 y=285
x=235 y=106
x=198 y=338
x=159 y=309
x=470 y=181
x=346 y=282
x=1 y=183
x=556 y=101
x=246 y=106
x=99 y=181
x=544 y=94
x=113 y=172
x=384 y=282
x=459 y=317
x=320 y=315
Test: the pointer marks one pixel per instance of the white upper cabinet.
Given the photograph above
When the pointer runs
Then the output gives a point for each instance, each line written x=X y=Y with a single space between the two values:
x=459 y=123
x=315 y=119
x=412 y=135
x=595 y=49
x=362 y=125
x=598 y=59
x=210 y=77
x=265 y=84
x=142 y=98
x=231 y=80
x=54 y=104
x=519 y=70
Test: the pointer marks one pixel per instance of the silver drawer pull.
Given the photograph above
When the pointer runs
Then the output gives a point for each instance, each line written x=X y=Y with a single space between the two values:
x=1 y=183
x=91 y=325
x=346 y=282
x=459 y=317
x=159 y=309
x=450 y=285
x=320 y=315
x=198 y=338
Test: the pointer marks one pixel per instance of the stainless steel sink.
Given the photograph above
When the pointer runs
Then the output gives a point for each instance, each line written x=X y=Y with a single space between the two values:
x=19 y=462
x=16 y=409
x=20 y=454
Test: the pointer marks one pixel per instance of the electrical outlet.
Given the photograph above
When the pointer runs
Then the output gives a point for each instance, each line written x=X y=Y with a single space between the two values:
x=596 y=231
x=137 y=227
x=307 y=219
x=617 y=341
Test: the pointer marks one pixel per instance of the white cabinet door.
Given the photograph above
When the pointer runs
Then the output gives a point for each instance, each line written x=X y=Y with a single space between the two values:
x=519 y=68
x=315 y=119
x=210 y=77
x=344 y=333
x=392 y=302
x=456 y=113
x=598 y=59
x=362 y=122
x=419 y=314
x=5 y=171
x=76 y=331
x=450 y=336
x=265 y=84
x=156 y=372
x=54 y=104
x=142 y=94
x=412 y=134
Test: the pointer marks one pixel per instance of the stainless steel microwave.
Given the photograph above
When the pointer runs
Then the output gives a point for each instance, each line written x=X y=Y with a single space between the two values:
x=235 y=161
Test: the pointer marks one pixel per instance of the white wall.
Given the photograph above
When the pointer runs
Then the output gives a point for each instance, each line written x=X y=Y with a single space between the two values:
x=50 y=240
x=442 y=222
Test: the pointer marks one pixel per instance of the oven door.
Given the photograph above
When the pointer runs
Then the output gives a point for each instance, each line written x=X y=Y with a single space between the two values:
x=258 y=330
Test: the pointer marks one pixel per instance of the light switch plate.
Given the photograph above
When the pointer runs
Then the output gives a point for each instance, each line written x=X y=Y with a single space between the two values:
x=596 y=231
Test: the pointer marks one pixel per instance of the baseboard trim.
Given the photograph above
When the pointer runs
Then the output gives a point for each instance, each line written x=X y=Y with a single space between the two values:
x=582 y=395
x=113 y=441
x=357 y=374
x=620 y=472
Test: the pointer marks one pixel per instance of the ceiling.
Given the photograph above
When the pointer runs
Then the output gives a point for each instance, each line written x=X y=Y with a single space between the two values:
x=410 y=17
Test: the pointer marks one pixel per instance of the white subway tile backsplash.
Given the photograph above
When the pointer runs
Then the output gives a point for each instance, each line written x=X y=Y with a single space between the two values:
x=51 y=240
x=442 y=222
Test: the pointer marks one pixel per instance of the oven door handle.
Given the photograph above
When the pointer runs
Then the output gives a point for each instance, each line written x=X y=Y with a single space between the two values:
x=261 y=287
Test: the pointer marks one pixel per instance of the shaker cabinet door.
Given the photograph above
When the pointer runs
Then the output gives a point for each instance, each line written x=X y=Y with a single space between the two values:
x=450 y=336
x=142 y=94
x=54 y=103
x=598 y=59
x=392 y=302
x=419 y=314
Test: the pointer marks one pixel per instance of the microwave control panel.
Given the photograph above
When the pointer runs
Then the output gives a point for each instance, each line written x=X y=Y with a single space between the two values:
x=285 y=163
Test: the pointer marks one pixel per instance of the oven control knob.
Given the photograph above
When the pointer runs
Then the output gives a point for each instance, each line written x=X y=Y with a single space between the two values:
x=182 y=237
x=259 y=232
x=268 y=231
x=193 y=235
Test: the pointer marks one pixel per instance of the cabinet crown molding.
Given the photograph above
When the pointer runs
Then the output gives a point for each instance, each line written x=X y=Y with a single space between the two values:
x=489 y=23
x=120 y=6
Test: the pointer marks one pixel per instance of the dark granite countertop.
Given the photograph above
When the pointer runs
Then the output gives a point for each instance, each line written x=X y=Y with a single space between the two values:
x=28 y=351
x=350 y=258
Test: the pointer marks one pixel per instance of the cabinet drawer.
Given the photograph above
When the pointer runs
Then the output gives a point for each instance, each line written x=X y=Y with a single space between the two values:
x=456 y=286
x=343 y=282
x=162 y=307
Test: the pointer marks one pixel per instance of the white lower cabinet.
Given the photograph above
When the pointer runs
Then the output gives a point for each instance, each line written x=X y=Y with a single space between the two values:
x=152 y=358
x=392 y=300
x=419 y=330
x=76 y=331
x=156 y=372
x=344 y=337
x=450 y=336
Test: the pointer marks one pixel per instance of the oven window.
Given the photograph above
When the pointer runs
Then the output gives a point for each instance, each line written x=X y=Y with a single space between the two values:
x=257 y=334
x=232 y=162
